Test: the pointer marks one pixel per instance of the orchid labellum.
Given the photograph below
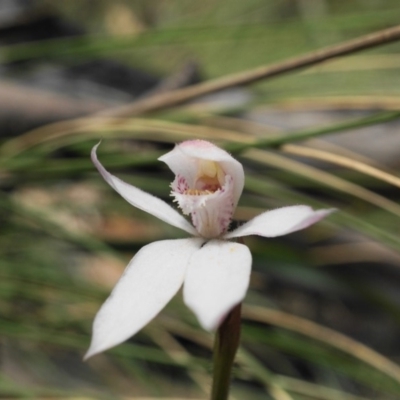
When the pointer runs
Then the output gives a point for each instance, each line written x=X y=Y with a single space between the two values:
x=214 y=271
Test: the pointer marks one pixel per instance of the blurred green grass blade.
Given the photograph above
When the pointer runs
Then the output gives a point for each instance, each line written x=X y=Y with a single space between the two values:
x=324 y=178
x=69 y=167
x=40 y=334
x=134 y=368
x=58 y=135
x=201 y=35
x=321 y=334
x=131 y=129
x=376 y=297
x=33 y=289
x=315 y=391
x=317 y=354
x=76 y=132
x=279 y=140
x=272 y=386
x=53 y=228
x=11 y=389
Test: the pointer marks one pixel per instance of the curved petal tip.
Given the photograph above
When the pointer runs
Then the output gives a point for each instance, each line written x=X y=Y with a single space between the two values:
x=150 y=280
x=280 y=221
x=142 y=200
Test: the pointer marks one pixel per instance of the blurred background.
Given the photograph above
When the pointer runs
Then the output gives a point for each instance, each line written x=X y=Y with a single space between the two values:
x=322 y=316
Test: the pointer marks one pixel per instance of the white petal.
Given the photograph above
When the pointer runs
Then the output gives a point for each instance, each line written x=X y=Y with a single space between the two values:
x=150 y=280
x=143 y=200
x=216 y=280
x=182 y=161
x=280 y=221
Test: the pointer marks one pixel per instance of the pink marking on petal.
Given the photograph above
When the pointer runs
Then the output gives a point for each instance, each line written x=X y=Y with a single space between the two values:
x=179 y=185
x=197 y=143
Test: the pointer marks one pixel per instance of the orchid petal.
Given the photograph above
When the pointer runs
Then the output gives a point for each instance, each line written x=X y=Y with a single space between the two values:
x=217 y=279
x=280 y=221
x=142 y=200
x=150 y=280
x=182 y=161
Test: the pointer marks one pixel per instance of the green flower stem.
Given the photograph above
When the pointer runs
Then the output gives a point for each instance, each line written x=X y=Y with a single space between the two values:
x=226 y=344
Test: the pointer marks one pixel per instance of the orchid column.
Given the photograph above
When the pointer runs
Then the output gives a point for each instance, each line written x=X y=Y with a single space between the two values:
x=214 y=271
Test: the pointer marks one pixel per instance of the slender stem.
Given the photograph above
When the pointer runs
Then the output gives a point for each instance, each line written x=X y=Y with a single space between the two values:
x=164 y=100
x=226 y=344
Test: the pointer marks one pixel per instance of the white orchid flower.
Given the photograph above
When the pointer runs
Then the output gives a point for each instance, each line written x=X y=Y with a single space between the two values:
x=215 y=272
